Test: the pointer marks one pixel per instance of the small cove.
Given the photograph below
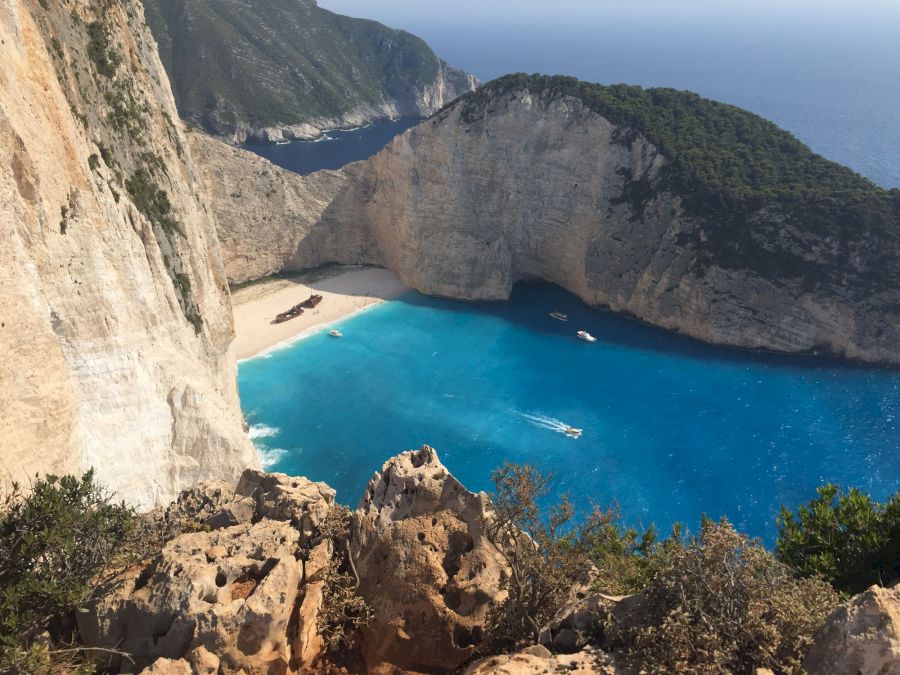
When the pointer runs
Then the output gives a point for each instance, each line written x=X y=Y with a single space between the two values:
x=672 y=428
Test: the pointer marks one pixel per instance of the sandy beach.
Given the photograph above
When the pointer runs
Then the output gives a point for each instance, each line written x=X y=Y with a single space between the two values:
x=344 y=291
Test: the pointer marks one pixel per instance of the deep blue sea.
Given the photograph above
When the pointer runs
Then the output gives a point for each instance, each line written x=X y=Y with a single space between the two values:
x=826 y=70
x=671 y=428
x=335 y=149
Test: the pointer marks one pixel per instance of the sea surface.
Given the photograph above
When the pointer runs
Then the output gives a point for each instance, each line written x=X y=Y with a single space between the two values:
x=335 y=149
x=672 y=428
x=826 y=70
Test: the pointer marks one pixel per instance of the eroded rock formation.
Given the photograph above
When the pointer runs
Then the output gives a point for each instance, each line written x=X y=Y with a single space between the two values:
x=425 y=566
x=533 y=186
x=860 y=636
x=115 y=318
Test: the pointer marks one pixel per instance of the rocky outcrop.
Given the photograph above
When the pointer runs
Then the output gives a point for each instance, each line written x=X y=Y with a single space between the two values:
x=242 y=596
x=529 y=185
x=115 y=318
x=538 y=660
x=860 y=636
x=262 y=212
x=425 y=566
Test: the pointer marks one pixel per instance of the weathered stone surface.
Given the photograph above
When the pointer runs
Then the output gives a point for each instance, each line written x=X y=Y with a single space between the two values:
x=538 y=660
x=281 y=497
x=262 y=211
x=230 y=592
x=101 y=367
x=425 y=565
x=860 y=636
x=168 y=667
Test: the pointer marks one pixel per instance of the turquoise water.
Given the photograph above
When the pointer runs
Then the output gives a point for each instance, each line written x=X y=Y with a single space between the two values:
x=672 y=428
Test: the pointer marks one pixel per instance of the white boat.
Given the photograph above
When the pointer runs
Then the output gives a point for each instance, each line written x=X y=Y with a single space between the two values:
x=559 y=316
x=573 y=432
x=587 y=337
x=335 y=333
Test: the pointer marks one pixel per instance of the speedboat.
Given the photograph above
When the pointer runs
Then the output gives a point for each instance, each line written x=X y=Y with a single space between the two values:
x=587 y=337
x=335 y=333
x=559 y=316
x=573 y=432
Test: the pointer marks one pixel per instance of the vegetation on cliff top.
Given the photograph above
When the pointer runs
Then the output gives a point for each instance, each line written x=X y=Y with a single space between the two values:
x=736 y=171
x=281 y=62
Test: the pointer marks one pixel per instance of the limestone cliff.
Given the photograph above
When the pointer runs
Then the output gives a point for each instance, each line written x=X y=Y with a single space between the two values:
x=115 y=318
x=520 y=183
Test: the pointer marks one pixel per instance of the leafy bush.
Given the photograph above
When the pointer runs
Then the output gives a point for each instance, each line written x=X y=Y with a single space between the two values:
x=53 y=542
x=851 y=540
x=343 y=609
x=152 y=201
x=723 y=604
x=104 y=57
x=550 y=555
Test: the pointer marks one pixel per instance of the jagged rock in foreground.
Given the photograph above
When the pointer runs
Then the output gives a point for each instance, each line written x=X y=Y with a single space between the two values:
x=239 y=597
x=425 y=566
x=538 y=660
x=860 y=636
x=115 y=317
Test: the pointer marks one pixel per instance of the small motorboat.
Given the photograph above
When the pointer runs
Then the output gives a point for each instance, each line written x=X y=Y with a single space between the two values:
x=559 y=316
x=587 y=337
x=335 y=333
x=573 y=432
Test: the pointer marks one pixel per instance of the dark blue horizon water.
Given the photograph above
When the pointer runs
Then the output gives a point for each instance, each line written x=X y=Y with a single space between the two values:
x=335 y=149
x=826 y=70
x=673 y=428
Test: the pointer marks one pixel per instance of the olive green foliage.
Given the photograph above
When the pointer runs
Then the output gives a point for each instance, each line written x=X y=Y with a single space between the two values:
x=53 y=542
x=343 y=610
x=283 y=61
x=847 y=537
x=152 y=201
x=105 y=59
x=723 y=604
x=549 y=554
x=742 y=175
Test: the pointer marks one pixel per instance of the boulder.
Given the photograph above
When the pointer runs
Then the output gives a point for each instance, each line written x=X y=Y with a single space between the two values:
x=280 y=497
x=425 y=566
x=168 y=667
x=537 y=659
x=226 y=594
x=860 y=636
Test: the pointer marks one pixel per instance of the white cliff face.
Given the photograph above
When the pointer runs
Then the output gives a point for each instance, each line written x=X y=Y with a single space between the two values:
x=262 y=211
x=115 y=333
x=538 y=188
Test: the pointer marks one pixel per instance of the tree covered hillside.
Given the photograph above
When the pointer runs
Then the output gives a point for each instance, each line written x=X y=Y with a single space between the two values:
x=282 y=61
x=738 y=172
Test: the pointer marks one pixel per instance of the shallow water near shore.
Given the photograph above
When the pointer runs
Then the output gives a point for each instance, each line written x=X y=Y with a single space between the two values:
x=672 y=428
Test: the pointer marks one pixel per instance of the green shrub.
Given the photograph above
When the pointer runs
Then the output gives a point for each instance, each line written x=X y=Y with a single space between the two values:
x=152 y=201
x=846 y=537
x=722 y=604
x=53 y=542
x=104 y=57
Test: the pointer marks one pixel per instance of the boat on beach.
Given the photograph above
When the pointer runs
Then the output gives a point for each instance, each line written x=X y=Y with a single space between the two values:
x=559 y=316
x=295 y=311
x=587 y=337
